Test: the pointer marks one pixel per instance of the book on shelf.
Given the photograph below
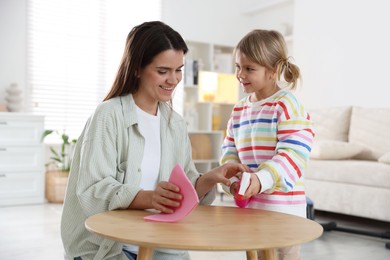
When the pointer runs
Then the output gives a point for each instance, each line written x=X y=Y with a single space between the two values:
x=191 y=72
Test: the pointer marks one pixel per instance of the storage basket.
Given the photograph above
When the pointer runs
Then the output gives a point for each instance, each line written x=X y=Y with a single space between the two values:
x=55 y=186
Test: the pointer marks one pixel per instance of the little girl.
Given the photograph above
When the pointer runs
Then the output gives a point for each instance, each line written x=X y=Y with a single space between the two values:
x=269 y=130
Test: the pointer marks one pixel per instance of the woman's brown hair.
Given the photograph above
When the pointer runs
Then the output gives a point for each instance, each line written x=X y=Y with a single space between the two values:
x=143 y=43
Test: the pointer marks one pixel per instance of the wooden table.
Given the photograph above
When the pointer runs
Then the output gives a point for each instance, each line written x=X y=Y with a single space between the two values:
x=207 y=228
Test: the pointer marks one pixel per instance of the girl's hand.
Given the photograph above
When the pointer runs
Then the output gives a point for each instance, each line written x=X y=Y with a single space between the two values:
x=254 y=187
x=166 y=197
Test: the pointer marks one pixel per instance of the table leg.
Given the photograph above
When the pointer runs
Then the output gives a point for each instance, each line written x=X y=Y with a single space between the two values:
x=145 y=253
x=268 y=254
x=251 y=255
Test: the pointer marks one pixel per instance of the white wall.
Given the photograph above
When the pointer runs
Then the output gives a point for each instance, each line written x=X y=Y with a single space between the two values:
x=214 y=21
x=12 y=44
x=343 y=48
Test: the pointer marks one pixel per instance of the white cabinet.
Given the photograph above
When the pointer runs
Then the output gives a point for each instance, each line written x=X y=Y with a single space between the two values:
x=207 y=101
x=21 y=159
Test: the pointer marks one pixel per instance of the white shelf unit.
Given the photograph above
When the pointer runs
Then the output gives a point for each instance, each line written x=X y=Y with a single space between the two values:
x=21 y=159
x=211 y=57
x=206 y=120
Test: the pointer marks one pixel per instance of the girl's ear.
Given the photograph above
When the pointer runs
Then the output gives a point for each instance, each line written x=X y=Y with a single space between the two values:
x=271 y=75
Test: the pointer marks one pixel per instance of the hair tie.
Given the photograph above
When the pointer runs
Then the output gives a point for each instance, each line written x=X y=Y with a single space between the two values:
x=287 y=63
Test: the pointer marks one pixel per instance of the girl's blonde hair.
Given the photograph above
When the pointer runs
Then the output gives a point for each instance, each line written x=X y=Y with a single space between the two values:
x=268 y=48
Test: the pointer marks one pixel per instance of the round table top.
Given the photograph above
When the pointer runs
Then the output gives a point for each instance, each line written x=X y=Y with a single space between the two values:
x=207 y=228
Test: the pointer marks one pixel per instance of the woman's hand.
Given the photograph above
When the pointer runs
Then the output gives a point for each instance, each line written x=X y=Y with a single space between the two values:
x=220 y=174
x=228 y=170
x=234 y=188
x=166 y=197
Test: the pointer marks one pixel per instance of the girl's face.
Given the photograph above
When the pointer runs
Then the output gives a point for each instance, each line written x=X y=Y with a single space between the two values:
x=159 y=79
x=254 y=78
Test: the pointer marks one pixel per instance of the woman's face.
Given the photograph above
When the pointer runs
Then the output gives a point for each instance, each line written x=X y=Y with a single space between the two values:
x=159 y=79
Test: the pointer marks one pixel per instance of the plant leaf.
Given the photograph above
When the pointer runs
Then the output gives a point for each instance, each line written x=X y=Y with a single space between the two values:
x=46 y=133
x=56 y=159
x=65 y=138
x=53 y=151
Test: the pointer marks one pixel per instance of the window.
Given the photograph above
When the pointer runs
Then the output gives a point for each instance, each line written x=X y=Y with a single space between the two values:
x=74 y=49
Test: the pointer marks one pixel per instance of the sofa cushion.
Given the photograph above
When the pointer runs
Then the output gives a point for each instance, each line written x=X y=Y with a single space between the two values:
x=370 y=127
x=334 y=150
x=357 y=200
x=331 y=123
x=385 y=158
x=358 y=172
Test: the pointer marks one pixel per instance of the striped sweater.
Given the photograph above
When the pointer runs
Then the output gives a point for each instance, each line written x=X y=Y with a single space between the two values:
x=274 y=138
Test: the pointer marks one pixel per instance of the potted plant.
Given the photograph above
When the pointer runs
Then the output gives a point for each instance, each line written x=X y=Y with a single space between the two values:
x=57 y=169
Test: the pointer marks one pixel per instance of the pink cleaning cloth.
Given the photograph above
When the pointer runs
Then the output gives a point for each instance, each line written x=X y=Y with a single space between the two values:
x=188 y=203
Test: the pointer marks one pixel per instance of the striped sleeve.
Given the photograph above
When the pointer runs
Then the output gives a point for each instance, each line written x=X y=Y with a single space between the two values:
x=295 y=137
x=229 y=149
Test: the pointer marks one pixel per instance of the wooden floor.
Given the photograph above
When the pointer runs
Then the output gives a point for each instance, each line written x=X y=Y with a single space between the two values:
x=32 y=232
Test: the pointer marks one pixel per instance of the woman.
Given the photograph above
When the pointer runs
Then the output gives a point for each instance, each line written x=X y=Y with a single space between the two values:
x=130 y=144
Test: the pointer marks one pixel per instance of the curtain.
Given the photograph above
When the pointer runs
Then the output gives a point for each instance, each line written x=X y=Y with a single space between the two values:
x=74 y=49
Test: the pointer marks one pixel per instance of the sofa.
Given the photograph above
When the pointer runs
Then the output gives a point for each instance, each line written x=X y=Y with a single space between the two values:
x=349 y=168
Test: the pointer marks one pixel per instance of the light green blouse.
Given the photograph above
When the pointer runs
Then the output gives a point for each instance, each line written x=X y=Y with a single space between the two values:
x=108 y=152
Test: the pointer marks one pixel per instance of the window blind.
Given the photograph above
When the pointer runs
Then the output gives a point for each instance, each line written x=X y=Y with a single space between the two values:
x=74 y=49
